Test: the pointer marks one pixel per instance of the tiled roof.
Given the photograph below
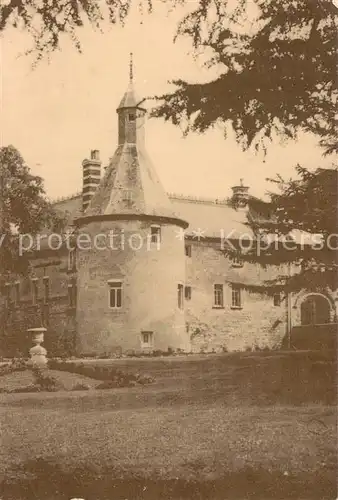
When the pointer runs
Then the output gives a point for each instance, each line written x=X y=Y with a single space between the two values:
x=130 y=186
x=72 y=206
x=210 y=218
x=215 y=218
x=130 y=98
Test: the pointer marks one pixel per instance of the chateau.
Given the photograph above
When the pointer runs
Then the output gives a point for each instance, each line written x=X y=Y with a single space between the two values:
x=142 y=270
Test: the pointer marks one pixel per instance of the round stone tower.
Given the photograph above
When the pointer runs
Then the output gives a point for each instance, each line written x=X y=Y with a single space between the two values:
x=131 y=264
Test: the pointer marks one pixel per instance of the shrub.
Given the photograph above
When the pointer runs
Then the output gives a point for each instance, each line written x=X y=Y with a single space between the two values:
x=144 y=379
x=89 y=371
x=28 y=388
x=108 y=384
x=4 y=370
x=16 y=365
x=70 y=367
x=80 y=387
x=19 y=364
x=54 y=363
x=45 y=382
x=117 y=382
x=113 y=376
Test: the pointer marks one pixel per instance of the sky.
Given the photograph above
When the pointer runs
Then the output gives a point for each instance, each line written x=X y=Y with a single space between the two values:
x=65 y=107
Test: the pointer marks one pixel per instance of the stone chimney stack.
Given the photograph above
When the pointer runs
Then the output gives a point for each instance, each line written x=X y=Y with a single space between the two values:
x=240 y=195
x=91 y=177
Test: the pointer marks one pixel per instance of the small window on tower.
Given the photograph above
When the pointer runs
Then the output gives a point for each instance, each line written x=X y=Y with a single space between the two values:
x=147 y=339
x=155 y=234
x=128 y=197
x=132 y=117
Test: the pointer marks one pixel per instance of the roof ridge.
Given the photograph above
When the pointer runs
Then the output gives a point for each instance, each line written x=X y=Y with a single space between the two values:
x=67 y=197
x=198 y=199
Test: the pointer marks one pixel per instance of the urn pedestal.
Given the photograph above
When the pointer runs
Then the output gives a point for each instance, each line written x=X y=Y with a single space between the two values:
x=38 y=353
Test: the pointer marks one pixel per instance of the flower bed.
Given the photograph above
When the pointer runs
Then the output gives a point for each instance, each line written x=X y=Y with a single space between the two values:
x=16 y=365
x=49 y=380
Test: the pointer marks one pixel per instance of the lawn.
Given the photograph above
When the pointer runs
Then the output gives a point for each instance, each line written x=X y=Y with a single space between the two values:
x=232 y=426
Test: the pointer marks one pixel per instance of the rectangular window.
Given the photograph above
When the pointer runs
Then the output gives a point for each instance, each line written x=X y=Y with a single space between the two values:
x=45 y=289
x=17 y=292
x=236 y=297
x=147 y=339
x=115 y=294
x=72 y=293
x=218 y=296
x=180 y=300
x=7 y=293
x=72 y=260
x=132 y=117
x=75 y=293
x=236 y=262
x=155 y=234
x=187 y=293
x=127 y=197
x=35 y=291
x=188 y=250
x=277 y=299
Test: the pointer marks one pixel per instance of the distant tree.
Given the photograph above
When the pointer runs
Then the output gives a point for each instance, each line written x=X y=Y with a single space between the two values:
x=278 y=77
x=302 y=230
x=24 y=208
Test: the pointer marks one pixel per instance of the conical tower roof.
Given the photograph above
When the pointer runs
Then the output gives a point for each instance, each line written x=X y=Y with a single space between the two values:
x=130 y=185
x=130 y=98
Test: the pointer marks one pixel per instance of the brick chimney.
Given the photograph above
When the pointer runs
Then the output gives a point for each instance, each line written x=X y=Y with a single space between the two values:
x=91 y=177
x=240 y=195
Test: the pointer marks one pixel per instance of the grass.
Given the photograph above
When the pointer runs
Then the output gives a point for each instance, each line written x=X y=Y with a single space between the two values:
x=217 y=427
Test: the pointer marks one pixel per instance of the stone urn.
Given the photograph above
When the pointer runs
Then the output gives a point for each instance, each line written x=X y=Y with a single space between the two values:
x=38 y=353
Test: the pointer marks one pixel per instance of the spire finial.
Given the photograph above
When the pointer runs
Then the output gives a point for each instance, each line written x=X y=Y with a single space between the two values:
x=131 y=76
x=241 y=181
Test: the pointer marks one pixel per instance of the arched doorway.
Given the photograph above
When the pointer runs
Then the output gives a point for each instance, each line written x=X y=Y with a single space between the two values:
x=315 y=310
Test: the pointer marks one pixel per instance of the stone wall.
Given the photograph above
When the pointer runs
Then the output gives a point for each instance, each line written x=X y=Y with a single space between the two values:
x=150 y=277
x=56 y=315
x=257 y=324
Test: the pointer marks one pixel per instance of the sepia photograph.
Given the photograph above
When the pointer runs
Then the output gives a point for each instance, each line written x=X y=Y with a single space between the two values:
x=168 y=249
